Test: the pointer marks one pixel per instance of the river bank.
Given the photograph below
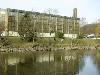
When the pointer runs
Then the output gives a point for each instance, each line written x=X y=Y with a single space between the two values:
x=48 y=48
x=15 y=44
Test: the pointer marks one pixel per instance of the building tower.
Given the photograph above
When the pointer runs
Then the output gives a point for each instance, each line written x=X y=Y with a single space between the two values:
x=75 y=12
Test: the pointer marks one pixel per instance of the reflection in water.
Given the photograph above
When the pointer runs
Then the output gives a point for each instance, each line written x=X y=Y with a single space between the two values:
x=89 y=68
x=50 y=63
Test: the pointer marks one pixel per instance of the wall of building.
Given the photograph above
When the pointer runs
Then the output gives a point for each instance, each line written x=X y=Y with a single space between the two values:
x=70 y=35
x=46 y=35
x=42 y=22
x=11 y=33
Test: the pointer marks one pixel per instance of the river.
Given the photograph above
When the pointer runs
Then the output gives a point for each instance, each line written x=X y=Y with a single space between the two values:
x=76 y=62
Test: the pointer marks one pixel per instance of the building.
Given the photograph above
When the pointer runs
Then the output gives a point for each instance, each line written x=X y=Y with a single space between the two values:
x=43 y=23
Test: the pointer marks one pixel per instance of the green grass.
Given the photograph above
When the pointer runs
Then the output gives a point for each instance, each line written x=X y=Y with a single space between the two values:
x=68 y=41
x=90 y=41
x=16 y=41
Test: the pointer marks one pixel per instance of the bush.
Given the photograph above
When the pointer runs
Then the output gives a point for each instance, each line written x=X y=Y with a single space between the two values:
x=5 y=41
x=29 y=38
x=80 y=36
x=59 y=35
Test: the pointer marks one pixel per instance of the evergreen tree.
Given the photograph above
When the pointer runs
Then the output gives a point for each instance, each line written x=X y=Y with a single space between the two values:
x=25 y=27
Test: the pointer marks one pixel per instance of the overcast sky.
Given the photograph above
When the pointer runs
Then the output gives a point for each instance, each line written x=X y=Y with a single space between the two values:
x=86 y=8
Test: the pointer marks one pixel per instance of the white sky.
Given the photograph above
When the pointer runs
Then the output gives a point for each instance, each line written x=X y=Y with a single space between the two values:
x=86 y=8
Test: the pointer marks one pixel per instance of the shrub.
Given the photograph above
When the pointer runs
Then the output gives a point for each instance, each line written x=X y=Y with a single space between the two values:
x=80 y=36
x=59 y=35
x=5 y=41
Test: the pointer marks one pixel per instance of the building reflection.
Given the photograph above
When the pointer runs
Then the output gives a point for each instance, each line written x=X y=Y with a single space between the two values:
x=96 y=58
x=42 y=63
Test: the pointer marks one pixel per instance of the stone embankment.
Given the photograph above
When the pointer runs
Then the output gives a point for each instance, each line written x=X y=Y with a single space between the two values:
x=47 y=48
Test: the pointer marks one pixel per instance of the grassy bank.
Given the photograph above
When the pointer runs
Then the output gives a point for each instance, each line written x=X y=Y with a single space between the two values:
x=16 y=41
x=68 y=41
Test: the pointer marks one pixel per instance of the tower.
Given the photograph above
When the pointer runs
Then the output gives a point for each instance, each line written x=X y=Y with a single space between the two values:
x=75 y=12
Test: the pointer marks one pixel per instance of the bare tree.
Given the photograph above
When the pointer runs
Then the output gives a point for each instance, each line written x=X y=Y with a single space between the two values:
x=83 y=23
x=2 y=27
x=97 y=28
x=97 y=21
x=51 y=11
x=50 y=20
x=92 y=28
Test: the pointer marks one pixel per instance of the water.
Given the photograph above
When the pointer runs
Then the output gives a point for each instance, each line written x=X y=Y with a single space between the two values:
x=51 y=63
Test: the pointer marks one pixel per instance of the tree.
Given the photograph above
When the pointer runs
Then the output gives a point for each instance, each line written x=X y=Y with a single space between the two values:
x=93 y=28
x=51 y=22
x=2 y=27
x=59 y=34
x=83 y=23
x=80 y=36
x=25 y=28
x=51 y=11
x=97 y=31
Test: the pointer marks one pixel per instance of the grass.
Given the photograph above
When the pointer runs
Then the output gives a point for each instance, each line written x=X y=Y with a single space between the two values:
x=16 y=41
x=90 y=41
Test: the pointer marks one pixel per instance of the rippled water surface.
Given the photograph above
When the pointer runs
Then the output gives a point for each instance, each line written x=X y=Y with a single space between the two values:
x=51 y=63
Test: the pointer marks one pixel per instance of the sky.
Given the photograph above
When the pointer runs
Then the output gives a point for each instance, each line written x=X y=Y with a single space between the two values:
x=88 y=9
